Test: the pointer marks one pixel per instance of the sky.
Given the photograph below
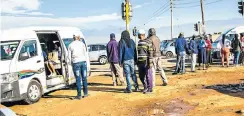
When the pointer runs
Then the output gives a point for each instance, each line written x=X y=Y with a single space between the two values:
x=98 y=18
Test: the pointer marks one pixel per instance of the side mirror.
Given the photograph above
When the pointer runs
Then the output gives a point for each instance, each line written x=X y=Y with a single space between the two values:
x=23 y=56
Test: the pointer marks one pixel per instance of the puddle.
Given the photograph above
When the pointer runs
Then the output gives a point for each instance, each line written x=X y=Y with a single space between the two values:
x=175 y=107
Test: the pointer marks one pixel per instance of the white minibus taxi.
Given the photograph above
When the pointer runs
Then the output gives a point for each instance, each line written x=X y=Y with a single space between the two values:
x=26 y=73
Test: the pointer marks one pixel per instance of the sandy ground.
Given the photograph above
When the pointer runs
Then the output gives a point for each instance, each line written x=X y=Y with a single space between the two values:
x=185 y=95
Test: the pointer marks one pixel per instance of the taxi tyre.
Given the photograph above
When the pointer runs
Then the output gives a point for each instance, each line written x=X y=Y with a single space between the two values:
x=37 y=87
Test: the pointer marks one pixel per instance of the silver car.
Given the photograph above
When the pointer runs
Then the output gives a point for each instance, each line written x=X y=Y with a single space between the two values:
x=168 y=49
x=98 y=53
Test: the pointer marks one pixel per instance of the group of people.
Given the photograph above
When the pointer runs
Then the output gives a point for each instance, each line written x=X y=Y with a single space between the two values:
x=125 y=54
x=202 y=49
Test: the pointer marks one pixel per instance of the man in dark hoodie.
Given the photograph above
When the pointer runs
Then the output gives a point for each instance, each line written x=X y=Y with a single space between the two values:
x=127 y=59
x=113 y=59
x=157 y=56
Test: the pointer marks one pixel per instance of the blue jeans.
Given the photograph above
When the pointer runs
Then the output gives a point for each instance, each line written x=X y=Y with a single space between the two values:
x=236 y=57
x=80 y=68
x=181 y=59
x=129 y=69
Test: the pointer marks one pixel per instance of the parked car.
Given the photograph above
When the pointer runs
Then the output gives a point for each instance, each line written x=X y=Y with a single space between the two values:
x=98 y=53
x=169 y=49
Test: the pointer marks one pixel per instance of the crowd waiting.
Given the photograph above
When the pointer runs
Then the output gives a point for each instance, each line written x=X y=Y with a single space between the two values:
x=146 y=54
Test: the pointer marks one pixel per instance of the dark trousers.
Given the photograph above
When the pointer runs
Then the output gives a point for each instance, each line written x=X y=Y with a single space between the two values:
x=202 y=56
x=146 y=76
x=209 y=58
x=80 y=71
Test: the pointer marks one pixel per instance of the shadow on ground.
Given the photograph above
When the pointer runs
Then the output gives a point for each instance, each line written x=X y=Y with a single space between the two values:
x=107 y=89
x=235 y=90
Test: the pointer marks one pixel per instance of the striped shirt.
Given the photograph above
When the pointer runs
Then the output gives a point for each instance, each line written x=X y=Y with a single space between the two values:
x=145 y=52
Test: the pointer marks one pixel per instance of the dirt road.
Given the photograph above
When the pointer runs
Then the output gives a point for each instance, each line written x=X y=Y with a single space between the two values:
x=193 y=94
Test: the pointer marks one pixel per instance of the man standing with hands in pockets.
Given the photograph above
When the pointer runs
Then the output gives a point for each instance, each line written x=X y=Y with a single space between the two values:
x=78 y=57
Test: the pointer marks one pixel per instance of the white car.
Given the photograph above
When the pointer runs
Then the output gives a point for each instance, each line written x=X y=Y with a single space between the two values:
x=98 y=53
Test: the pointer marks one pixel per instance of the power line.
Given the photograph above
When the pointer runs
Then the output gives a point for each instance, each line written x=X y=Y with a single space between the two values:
x=160 y=11
x=199 y=4
x=162 y=7
x=151 y=19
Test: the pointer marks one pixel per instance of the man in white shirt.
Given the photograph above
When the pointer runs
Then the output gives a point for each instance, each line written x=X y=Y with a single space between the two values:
x=77 y=56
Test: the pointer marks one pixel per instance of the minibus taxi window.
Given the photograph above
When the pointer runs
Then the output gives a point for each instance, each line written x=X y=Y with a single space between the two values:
x=28 y=50
x=67 y=41
x=8 y=49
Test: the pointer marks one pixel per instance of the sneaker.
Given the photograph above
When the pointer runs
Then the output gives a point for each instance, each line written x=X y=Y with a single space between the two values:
x=149 y=91
x=137 y=89
x=128 y=91
x=115 y=84
x=85 y=96
x=145 y=90
x=164 y=84
x=174 y=73
x=76 y=98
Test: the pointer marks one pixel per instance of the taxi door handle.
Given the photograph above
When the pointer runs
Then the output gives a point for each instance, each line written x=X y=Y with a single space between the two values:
x=38 y=61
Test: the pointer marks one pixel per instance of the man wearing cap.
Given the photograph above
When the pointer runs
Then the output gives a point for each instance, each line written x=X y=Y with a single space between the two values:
x=180 y=49
x=157 y=56
x=145 y=61
x=113 y=59
x=78 y=57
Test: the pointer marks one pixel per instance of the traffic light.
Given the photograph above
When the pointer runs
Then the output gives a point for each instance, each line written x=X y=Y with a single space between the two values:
x=241 y=7
x=123 y=11
x=134 y=31
x=196 y=27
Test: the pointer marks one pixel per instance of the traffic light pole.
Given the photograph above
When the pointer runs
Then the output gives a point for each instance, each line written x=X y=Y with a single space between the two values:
x=127 y=9
x=203 y=21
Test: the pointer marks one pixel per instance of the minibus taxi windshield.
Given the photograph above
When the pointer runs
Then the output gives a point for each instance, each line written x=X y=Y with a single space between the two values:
x=8 y=49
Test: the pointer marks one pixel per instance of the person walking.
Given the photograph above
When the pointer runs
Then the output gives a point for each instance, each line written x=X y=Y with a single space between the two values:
x=113 y=59
x=157 y=57
x=225 y=45
x=127 y=59
x=208 y=50
x=236 y=48
x=78 y=57
x=180 y=49
x=202 y=55
x=193 y=48
x=145 y=61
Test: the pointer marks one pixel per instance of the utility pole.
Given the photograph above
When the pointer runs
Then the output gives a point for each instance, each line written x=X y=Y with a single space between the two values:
x=203 y=21
x=171 y=6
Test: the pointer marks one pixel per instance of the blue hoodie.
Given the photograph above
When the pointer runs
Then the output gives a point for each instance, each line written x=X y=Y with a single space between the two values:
x=126 y=53
x=193 y=46
x=180 y=45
